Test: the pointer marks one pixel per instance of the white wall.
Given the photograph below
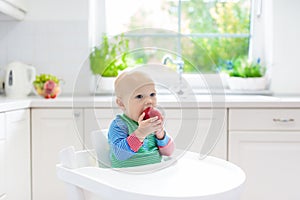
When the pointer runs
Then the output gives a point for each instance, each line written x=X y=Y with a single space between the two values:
x=276 y=40
x=53 y=38
x=286 y=43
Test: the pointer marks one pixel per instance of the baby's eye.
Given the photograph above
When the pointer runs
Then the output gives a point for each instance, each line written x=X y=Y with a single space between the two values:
x=139 y=96
x=153 y=94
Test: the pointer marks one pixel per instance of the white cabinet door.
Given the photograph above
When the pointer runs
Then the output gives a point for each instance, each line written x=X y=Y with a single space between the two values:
x=268 y=151
x=52 y=130
x=206 y=126
x=206 y=122
x=271 y=161
x=2 y=155
x=96 y=119
x=18 y=155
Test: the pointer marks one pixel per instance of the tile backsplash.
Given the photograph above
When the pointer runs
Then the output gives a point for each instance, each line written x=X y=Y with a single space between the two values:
x=57 y=47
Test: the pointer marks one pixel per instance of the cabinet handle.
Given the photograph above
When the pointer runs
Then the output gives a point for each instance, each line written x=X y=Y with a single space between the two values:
x=77 y=114
x=283 y=120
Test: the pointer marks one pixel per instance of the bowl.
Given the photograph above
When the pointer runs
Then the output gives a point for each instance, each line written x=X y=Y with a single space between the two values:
x=48 y=90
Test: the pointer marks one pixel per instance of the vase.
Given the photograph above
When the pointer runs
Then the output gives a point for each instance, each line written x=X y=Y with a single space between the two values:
x=238 y=83
x=102 y=85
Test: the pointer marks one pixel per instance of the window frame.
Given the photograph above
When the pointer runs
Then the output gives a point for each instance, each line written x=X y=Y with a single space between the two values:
x=261 y=25
x=97 y=28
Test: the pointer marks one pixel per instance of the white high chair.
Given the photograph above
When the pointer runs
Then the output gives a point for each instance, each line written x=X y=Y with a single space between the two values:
x=189 y=178
x=100 y=143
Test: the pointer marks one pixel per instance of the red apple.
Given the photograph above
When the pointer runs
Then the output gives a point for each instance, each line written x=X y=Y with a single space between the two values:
x=49 y=86
x=152 y=112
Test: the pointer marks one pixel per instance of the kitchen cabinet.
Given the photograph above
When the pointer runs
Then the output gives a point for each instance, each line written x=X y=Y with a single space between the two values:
x=207 y=126
x=15 y=154
x=2 y=155
x=52 y=130
x=176 y=120
x=13 y=8
x=96 y=119
x=265 y=143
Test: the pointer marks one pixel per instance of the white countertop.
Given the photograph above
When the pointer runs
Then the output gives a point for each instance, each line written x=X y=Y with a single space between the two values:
x=167 y=101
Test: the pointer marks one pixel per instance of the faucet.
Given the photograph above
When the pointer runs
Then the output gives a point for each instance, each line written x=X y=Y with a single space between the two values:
x=180 y=64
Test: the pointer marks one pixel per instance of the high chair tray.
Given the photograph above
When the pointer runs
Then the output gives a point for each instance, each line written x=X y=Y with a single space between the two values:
x=188 y=178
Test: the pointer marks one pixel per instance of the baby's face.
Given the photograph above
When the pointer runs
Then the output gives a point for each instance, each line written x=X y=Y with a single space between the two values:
x=141 y=99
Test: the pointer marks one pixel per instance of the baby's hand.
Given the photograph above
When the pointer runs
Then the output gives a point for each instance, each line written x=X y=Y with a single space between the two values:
x=160 y=134
x=147 y=126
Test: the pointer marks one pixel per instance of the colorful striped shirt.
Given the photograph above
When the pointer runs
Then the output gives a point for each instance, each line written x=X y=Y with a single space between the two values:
x=128 y=151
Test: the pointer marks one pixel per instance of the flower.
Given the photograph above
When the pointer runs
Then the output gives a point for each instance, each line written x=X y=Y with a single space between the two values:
x=242 y=67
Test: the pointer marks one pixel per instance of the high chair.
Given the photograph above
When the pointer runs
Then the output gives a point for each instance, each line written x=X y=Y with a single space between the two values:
x=88 y=176
x=100 y=143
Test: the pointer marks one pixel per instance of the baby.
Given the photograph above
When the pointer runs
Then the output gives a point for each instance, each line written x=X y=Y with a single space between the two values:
x=133 y=140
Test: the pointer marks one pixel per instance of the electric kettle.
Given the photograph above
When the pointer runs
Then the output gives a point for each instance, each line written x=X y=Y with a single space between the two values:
x=19 y=78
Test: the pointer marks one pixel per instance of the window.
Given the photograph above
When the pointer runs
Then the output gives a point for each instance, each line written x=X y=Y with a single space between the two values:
x=205 y=33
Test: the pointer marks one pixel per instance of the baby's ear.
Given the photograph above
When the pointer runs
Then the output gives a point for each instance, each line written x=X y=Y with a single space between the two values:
x=120 y=103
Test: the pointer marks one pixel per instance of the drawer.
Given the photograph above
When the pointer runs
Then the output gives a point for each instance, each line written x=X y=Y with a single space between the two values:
x=264 y=119
x=198 y=114
x=17 y=116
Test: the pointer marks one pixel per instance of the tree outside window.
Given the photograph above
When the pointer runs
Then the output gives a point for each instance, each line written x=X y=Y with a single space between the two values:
x=217 y=31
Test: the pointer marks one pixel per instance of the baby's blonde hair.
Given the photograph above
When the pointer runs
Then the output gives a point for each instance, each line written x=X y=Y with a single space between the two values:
x=128 y=82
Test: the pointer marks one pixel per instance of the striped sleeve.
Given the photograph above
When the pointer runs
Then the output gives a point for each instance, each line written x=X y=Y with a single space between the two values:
x=117 y=138
x=134 y=143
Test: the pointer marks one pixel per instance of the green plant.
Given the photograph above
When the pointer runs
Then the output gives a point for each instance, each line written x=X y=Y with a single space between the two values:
x=204 y=17
x=110 y=57
x=242 y=67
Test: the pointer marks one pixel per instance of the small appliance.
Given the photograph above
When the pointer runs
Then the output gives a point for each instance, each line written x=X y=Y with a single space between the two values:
x=18 y=80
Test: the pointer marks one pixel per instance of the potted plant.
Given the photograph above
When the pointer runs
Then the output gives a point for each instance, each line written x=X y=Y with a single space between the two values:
x=107 y=60
x=245 y=75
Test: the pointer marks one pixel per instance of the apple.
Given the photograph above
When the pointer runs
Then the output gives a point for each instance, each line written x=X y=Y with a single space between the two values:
x=152 y=112
x=49 y=86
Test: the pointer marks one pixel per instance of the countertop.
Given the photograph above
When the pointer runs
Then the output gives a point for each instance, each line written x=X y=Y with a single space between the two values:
x=166 y=101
